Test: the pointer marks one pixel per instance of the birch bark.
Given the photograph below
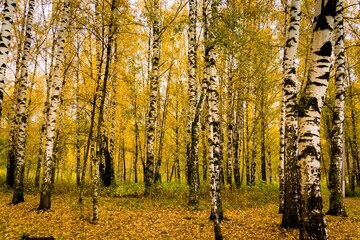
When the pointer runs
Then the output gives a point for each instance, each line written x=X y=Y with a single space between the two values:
x=337 y=207
x=214 y=120
x=154 y=89
x=291 y=216
x=45 y=194
x=18 y=196
x=313 y=224
x=6 y=28
x=193 y=128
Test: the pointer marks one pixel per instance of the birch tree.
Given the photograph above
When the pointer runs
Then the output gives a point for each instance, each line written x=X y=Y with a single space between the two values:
x=282 y=157
x=45 y=194
x=282 y=124
x=210 y=9
x=193 y=129
x=290 y=216
x=313 y=224
x=4 y=51
x=154 y=86
x=18 y=196
x=230 y=120
x=45 y=111
x=6 y=28
x=102 y=140
x=337 y=207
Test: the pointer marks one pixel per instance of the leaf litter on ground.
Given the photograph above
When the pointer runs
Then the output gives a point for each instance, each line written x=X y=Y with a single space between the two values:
x=144 y=218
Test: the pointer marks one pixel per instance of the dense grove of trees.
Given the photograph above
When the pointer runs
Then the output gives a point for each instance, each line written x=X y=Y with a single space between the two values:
x=199 y=92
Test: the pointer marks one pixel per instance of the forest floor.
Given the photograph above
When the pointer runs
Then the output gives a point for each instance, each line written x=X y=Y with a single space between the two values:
x=249 y=213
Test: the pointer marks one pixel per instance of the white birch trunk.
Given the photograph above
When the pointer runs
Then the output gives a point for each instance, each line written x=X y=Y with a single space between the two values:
x=154 y=89
x=45 y=113
x=313 y=224
x=214 y=121
x=193 y=128
x=45 y=194
x=282 y=125
x=230 y=121
x=291 y=216
x=282 y=158
x=337 y=207
x=6 y=28
x=21 y=111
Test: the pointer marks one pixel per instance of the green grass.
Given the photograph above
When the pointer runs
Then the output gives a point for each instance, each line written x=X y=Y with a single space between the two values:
x=168 y=194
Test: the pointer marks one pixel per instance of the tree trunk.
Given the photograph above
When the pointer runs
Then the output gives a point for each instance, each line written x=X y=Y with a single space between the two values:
x=45 y=113
x=205 y=152
x=14 y=120
x=253 y=155
x=113 y=103
x=13 y=135
x=195 y=107
x=263 y=134
x=78 y=136
x=269 y=164
x=18 y=196
x=282 y=157
x=237 y=139
x=157 y=174
x=313 y=224
x=246 y=137
x=230 y=122
x=282 y=124
x=6 y=29
x=102 y=151
x=123 y=155
x=45 y=195
x=105 y=163
x=177 y=142
x=137 y=142
x=90 y=141
x=337 y=207
x=214 y=121
x=291 y=215
x=101 y=158
x=154 y=89
x=354 y=142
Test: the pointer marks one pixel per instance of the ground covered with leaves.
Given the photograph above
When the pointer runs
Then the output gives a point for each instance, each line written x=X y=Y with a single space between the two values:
x=250 y=214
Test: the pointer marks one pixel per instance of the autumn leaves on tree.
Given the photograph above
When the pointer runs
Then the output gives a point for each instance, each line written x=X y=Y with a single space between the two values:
x=192 y=92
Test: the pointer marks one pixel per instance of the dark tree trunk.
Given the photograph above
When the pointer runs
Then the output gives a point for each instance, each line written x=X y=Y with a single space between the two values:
x=106 y=168
x=263 y=135
x=10 y=169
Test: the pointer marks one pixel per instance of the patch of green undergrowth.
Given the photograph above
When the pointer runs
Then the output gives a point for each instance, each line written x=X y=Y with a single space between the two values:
x=251 y=196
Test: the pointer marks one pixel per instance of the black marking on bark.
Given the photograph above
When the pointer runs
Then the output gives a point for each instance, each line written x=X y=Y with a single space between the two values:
x=329 y=9
x=306 y=103
x=324 y=76
x=308 y=151
x=325 y=50
x=323 y=60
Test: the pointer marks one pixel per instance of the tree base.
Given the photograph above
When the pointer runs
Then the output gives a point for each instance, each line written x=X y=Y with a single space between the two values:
x=19 y=198
x=337 y=212
x=45 y=202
